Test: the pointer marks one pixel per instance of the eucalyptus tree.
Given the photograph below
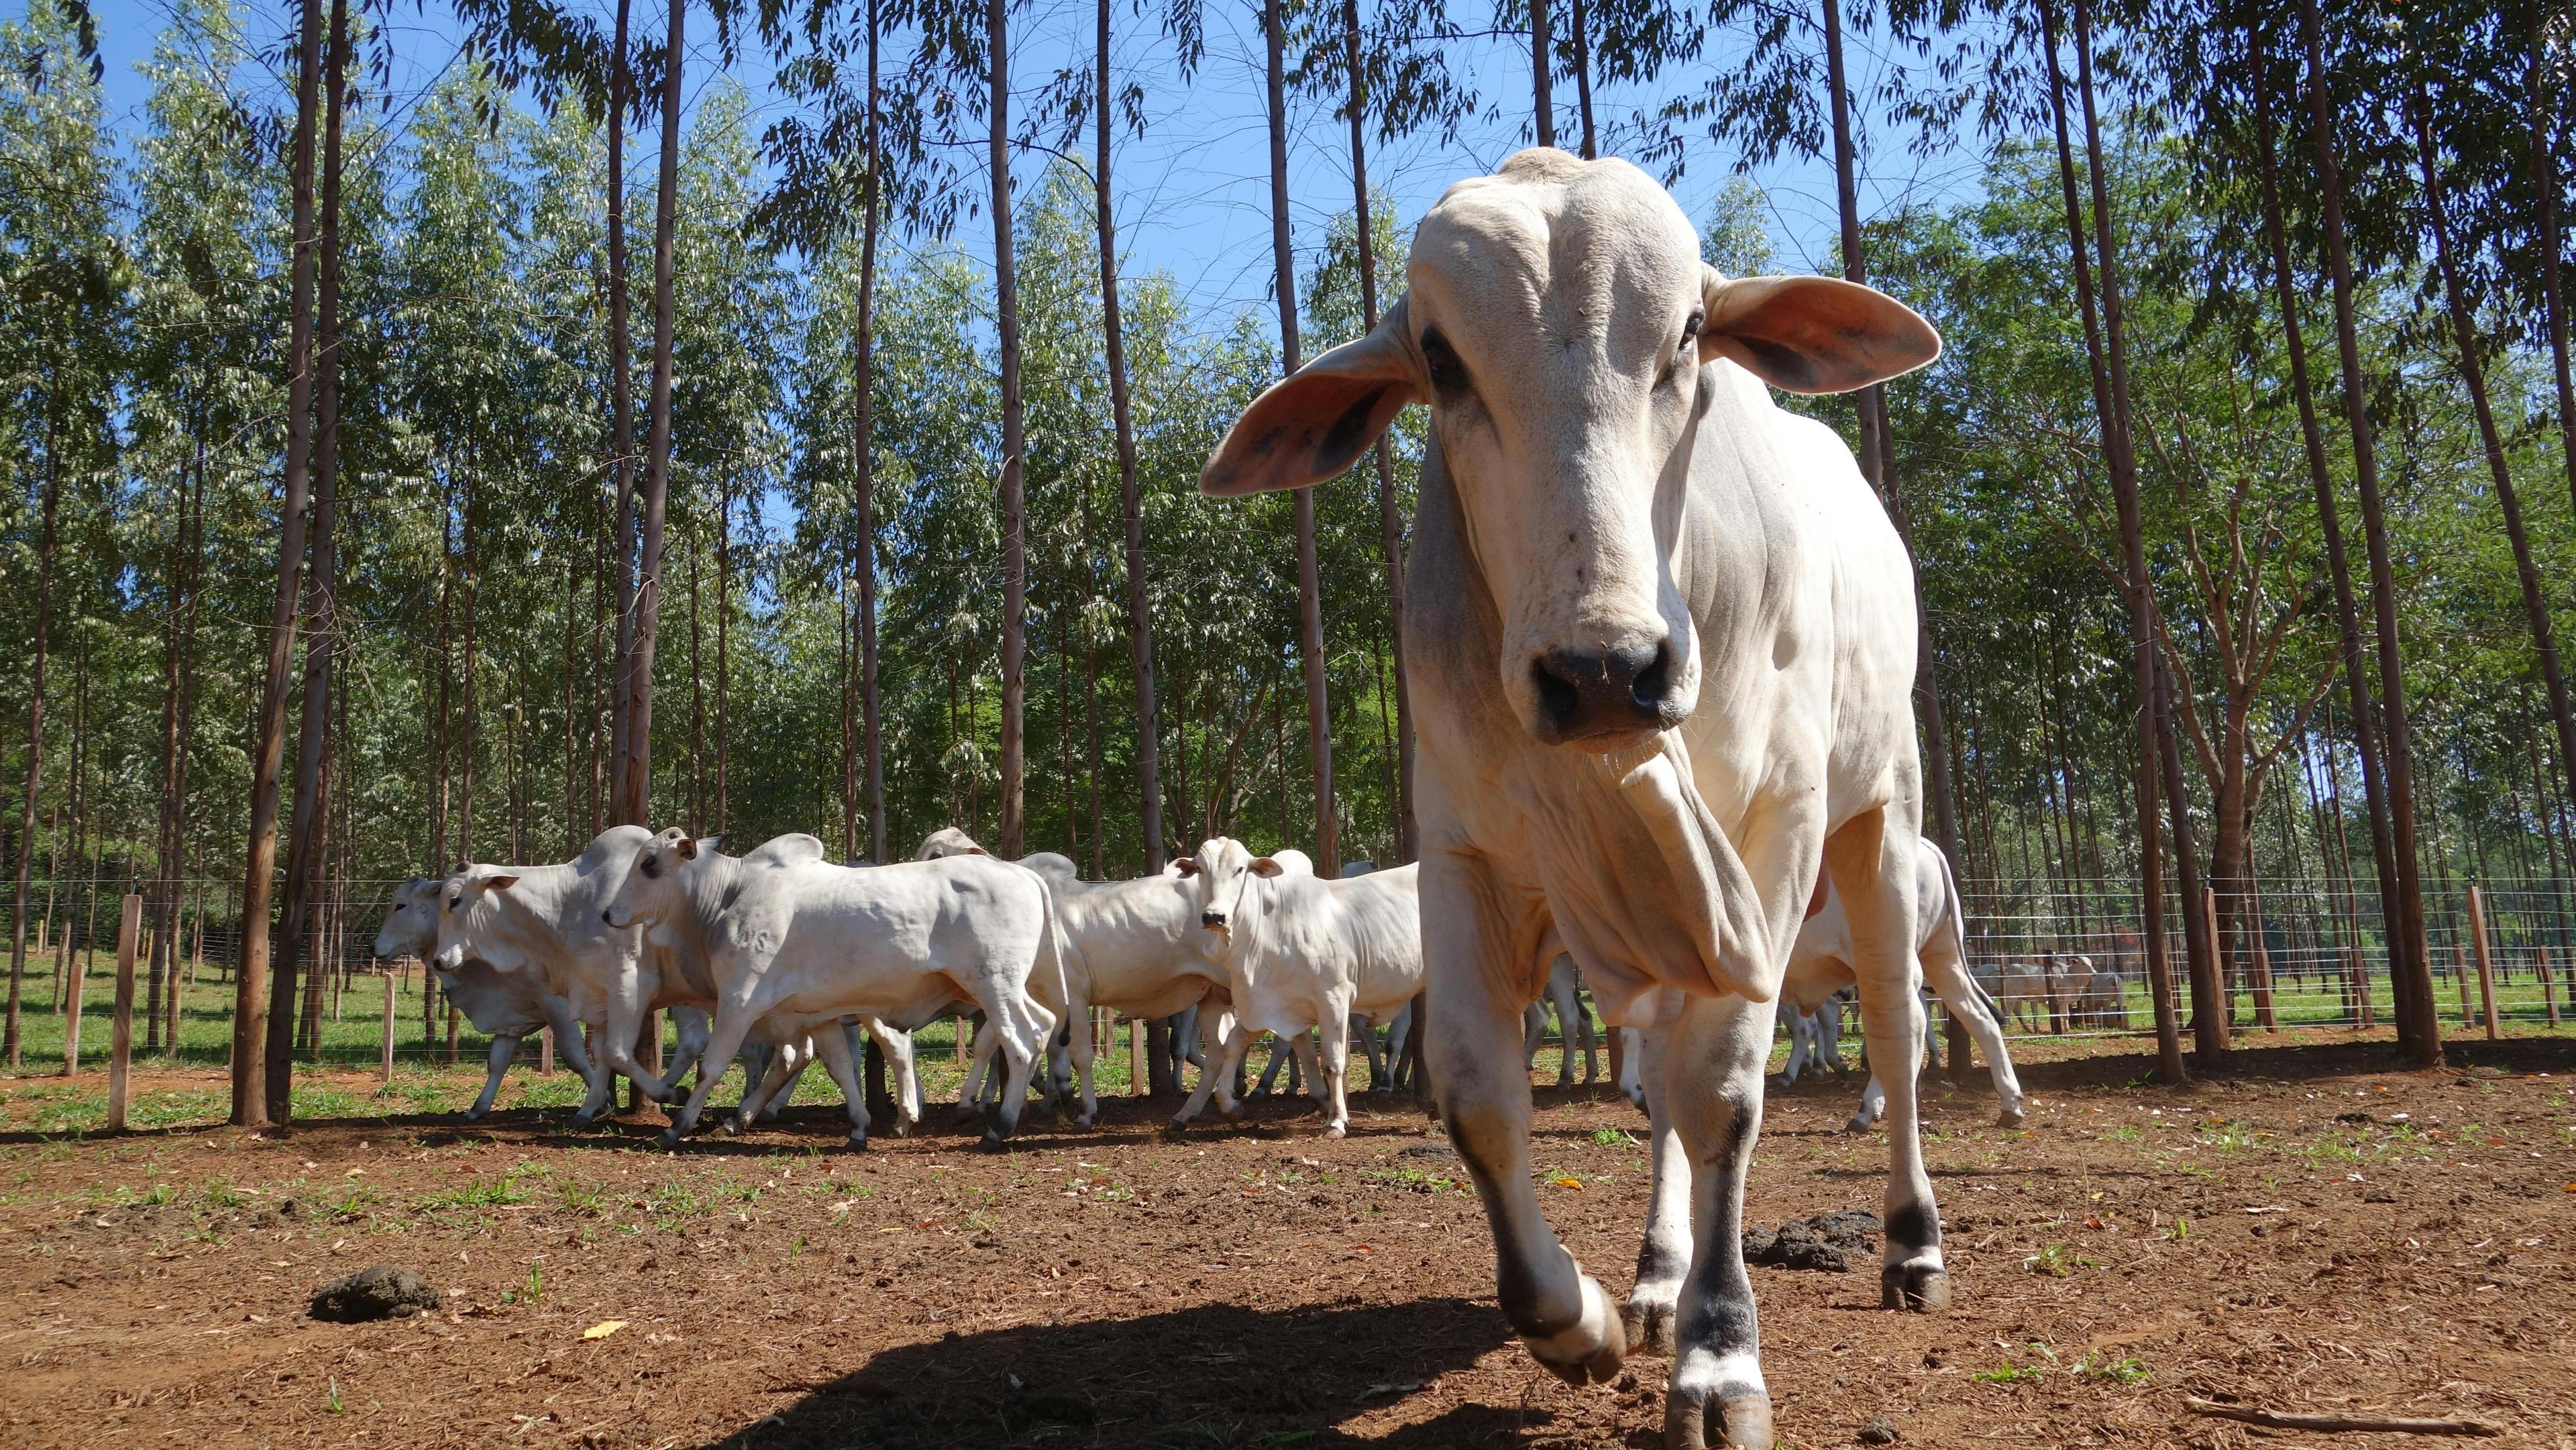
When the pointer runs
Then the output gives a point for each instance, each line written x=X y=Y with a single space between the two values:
x=635 y=784
x=65 y=275
x=2411 y=955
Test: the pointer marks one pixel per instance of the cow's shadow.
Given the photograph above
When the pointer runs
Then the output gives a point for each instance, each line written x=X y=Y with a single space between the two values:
x=1210 y=1376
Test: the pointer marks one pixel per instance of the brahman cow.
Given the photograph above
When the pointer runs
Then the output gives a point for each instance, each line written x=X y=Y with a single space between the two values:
x=506 y=1006
x=791 y=942
x=1820 y=965
x=1300 y=952
x=1661 y=643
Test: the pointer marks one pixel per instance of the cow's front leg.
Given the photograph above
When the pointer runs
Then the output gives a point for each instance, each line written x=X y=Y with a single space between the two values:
x=1217 y=1078
x=1711 y=1076
x=897 y=1047
x=567 y=1031
x=1473 y=969
x=1871 y=859
x=497 y=1062
x=1664 y=1256
x=1332 y=1075
x=629 y=1002
x=1083 y=1050
x=733 y=1023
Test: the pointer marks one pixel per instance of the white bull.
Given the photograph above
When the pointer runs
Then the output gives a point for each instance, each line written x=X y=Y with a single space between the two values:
x=505 y=1006
x=1661 y=640
x=792 y=942
x=1820 y=965
x=1300 y=952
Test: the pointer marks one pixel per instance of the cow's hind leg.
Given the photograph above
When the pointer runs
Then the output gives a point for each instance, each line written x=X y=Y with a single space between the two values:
x=1476 y=973
x=733 y=1023
x=897 y=1047
x=1711 y=1074
x=497 y=1063
x=842 y=1062
x=1871 y=861
x=1949 y=977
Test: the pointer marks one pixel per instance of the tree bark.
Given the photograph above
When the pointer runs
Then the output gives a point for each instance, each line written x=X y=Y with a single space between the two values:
x=1310 y=602
x=621 y=390
x=1542 y=76
x=2535 y=603
x=1140 y=617
x=863 y=397
x=2409 y=954
x=2329 y=509
x=635 y=786
x=1583 y=76
x=2122 y=466
x=2544 y=180
x=1390 y=519
x=321 y=636
x=1015 y=546
x=268 y=742
x=35 y=746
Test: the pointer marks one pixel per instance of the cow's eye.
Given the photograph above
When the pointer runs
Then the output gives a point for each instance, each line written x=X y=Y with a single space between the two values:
x=1448 y=374
x=651 y=871
x=456 y=901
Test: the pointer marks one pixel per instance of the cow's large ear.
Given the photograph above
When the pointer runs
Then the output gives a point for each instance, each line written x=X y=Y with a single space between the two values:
x=1317 y=421
x=1811 y=334
x=1184 y=866
x=500 y=883
x=1263 y=866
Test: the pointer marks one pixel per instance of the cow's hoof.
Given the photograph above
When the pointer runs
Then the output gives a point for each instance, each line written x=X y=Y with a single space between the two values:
x=1859 y=1123
x=903 y=1127
x=1742 y=1421
x=1591 y=1349
x=2009 y=1117
x=1647 y=1319
x=668 y=1138
x=993 y=1141
x=1918 y=1288
x=1336 y=1130
x=476 y=1115
x=733 y=1127
x=858 y=1140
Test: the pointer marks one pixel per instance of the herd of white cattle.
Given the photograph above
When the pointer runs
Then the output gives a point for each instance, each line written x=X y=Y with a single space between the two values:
x=1661 y=642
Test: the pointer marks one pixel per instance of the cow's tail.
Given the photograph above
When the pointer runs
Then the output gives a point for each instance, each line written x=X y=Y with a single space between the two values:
x=1050 y=958
x=1954 y=925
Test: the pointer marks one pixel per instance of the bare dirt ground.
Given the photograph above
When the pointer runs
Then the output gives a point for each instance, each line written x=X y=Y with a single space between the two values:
x=2312 y=1232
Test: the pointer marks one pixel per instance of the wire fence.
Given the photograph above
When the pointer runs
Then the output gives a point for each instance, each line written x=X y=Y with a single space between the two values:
x=2059 y=959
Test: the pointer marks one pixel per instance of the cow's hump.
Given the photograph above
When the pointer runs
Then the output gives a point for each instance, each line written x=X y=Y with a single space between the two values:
x=789 y=850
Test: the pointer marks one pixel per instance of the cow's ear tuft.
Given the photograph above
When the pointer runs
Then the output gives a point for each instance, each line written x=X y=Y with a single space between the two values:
x=501 y=883
x=1183 y=865
x=1316 y=422
x=1811 y=334
x=1263 y=866
x=975 y=851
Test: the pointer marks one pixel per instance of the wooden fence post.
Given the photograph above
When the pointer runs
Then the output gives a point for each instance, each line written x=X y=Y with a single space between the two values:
x=2460 y=965
x=2486 y=957
x=961 y=1039
x=2226 y=1003
x=1139 y=1081
x=545 y=1052
x=120 y=1058
x=2361 y=986
x=71 y=970
x=2548 y=988
x=393 y=985
x=2264 y=1016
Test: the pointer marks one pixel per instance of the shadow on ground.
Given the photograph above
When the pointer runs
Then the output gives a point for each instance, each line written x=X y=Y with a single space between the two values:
x=1219 y=1375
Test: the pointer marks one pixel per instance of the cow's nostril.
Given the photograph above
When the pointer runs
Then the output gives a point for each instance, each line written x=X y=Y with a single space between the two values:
x=1211 y=918
x=1651 y=682
x=607 y=919
x=1557 y=695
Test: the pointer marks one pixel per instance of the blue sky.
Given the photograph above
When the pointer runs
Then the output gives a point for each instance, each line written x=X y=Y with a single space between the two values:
x=1193 y=191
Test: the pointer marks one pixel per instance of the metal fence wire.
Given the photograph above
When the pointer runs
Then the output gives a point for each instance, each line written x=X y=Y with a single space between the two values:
x=2297 y=955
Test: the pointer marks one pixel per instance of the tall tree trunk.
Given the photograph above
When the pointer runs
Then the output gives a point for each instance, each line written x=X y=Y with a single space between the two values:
x=1583 y=76
x=621 y=389
x=2356 y=672
x=441 y=722
x=2544 y=182
x=864 y=547
x=268 y=743
x=697 y=706
x=188 y=568
x=469 y=740
x=724 y=655
x=1140 y=618
x=1310 y=602
x=1015 y=544
x=1390 y=520
x=2535 y=603
x=1542 y=77
x=35 y=743
x=2122 y=466
x=321 y=636
x=635 y=787
x=1878 y=460
x=2410 y=953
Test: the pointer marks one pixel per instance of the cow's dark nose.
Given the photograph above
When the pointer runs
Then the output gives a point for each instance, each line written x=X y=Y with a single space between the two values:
x=605 y=917
x=1603 y=692
x=1212 y=918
